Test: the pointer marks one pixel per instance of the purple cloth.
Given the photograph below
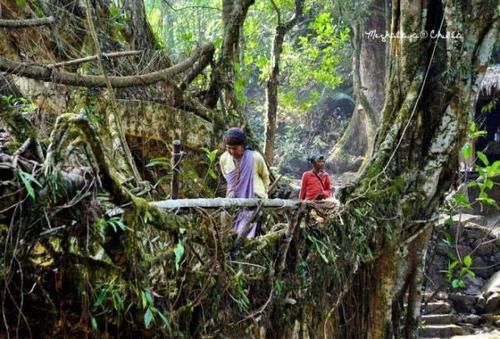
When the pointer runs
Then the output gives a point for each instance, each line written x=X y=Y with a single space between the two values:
x=240 y=181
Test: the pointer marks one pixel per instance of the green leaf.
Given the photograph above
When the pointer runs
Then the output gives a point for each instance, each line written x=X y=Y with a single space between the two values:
x=147 y=217
x=179 y=254
x=466 y=151
x=212 y=173
x=144 y=299
x=158 y=161
x=489 y=183
x=163 y=318
x=93 y=321
x=467 y=261
x=148 y=317
x=21 y=3
x=149 y=297
x=457 y=283
x=100 y=298
x=117 y=300
x=483 y=158
x=27 y=179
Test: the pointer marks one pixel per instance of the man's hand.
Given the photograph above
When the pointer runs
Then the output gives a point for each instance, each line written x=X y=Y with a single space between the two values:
x=231 y=194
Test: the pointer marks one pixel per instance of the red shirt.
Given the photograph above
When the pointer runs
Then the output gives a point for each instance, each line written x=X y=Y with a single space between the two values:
x=315 y=184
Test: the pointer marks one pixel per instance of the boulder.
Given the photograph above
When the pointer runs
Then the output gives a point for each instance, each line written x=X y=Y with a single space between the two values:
x=463 y=303
x=473 y=285
x=472 y=319
x=492 y=285
x=470 y=219
x=493 y=303
x=491 y=292
x=485 y=248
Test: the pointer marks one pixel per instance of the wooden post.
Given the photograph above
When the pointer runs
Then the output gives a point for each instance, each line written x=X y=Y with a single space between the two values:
x=176 y=159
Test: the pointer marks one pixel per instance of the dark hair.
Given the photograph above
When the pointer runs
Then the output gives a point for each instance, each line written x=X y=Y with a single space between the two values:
x=315 y=158
x=235 y=136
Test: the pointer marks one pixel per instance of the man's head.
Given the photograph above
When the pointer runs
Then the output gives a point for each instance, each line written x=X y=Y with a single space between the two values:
x=318 y=162
x=235 y=139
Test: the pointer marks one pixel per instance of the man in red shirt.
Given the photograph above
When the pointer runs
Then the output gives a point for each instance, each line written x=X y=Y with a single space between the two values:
x=316 y=183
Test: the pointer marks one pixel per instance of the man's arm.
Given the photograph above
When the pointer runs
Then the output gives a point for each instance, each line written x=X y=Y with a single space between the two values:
x=328 y=187
x=303 y=186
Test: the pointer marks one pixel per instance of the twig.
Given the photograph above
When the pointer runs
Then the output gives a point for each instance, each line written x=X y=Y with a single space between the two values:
x=93 y=57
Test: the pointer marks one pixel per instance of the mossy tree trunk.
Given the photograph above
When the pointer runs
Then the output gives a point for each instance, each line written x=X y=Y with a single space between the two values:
x=272 y=82
x=369 y=74
x=431 y=85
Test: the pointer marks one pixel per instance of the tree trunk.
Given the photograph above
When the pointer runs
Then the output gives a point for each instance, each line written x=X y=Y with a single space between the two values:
x=272 y=95
x=369 y=74
x=431 y=85
x=222 y=79
x=272 y=82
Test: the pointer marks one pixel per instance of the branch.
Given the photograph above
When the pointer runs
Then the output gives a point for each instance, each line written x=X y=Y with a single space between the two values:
x=22 y=23
x=93 y=57
x=72 y=79
x=197 y=69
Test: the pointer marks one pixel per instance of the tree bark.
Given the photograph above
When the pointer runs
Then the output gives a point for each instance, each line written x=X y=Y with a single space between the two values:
x=23 y=23
x=424 y=122
x=369 y=74
x=222 y=79
x=73 y=79
x=272 y=82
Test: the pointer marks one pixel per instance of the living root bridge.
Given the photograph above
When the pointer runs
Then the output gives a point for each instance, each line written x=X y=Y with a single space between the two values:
x=237 y=202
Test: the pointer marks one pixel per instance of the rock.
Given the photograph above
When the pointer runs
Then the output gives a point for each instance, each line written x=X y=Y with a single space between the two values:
x=485 y=248
x=438 y=319
x=480 y=304
x=471 y=319
x=493 y=303
x=473 y=290
x=439 y=307
x=481 y=264
x=463 y=303
x=443 y=331
x=477 y=232
x=492 y=285
x=470 y=219
x=497 y=323
x=476 y=282
x=442 y=248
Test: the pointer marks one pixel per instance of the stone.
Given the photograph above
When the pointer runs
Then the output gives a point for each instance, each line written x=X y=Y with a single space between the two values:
x=471 y=319
x=480 y=304
x=477 y=232
x=438 y=319
x=473 y=285
x=442 y=248
x=482 y=267
x=470 y=219
x=472 y=290
x=485 y=248
x=443 y=331
x=463 y=303
x=439 y=307
x=492 y=285
x=497 y=323
x=493 y=303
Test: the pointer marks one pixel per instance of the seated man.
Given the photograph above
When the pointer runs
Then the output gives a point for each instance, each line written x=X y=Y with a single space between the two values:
x=316 y=184
x=246 y=175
